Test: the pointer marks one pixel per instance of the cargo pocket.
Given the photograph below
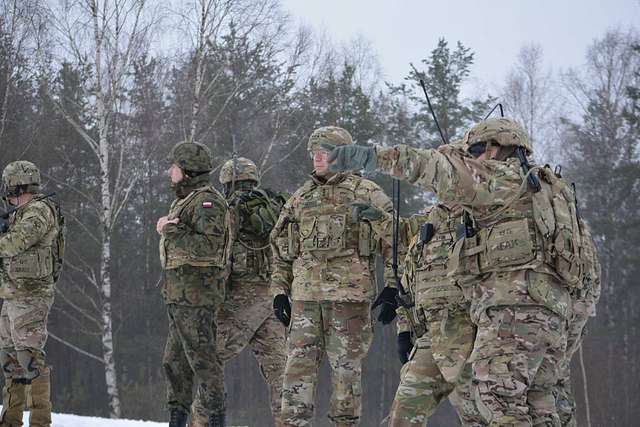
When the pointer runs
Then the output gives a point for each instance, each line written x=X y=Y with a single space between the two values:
x=545 y=290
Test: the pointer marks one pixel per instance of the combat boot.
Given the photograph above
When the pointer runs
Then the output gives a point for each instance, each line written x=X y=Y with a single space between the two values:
x=14 y=396
x=216 y=420
x=40 y=402
x=178 y=418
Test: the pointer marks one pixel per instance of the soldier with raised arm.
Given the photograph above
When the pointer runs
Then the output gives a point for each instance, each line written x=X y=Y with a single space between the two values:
x=526 y=248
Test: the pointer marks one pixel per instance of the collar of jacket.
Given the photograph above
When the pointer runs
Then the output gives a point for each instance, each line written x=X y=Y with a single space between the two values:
x=333 y=179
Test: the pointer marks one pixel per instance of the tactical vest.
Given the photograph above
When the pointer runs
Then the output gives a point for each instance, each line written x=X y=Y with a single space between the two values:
x=325 y=226
x=42 y=261
x=173 y=256
x=433 y=287
x=531 y=231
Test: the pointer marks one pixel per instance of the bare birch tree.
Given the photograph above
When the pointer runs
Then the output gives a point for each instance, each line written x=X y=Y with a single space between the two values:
x=105 y=37
x=529 y=97
x=203 y=22
x=22 y=27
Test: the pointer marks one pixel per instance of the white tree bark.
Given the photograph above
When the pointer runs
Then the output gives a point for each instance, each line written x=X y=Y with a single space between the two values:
x=115 y=36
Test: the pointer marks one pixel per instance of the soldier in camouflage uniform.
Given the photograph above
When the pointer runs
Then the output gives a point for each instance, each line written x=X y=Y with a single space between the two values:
x=31 y=258
x=525 y=246
x=324 y=265
x=195 y=245
x=435 y=364
x=247 y=318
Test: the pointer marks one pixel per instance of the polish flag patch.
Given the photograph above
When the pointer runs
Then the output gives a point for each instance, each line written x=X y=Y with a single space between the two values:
x=207 y=205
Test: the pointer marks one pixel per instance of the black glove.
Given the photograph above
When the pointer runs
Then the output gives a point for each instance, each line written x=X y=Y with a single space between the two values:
x=364 y=211
x=352 y=157
x=404 y=346
x=388 y=298
x=282 y=309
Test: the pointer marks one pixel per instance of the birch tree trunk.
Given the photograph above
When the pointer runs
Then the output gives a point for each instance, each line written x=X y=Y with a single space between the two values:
x=108 y=46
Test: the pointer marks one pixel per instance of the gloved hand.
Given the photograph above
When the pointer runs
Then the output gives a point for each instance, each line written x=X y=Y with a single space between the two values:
x=404 y=346
x=282 y=309
x=388 y=300
x=352 y=157
x=364 y=211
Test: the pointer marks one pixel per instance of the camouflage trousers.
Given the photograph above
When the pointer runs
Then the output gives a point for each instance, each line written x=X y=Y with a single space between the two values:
x=437 y=369
x=190 y=359
x=583 y=307
x=247 y=319
x=23 y=334
x=515 y=365
x=343 y=331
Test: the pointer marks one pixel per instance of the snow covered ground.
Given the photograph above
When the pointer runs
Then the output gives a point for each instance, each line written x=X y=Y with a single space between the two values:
x=68 y=420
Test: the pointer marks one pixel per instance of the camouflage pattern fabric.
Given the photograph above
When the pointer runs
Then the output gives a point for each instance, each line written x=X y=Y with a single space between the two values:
x=343 y=331
x=194 y=254
x=29 y=257
x=520 y=316
x=246 y=318
x=324 y=261
x=196 y=251
x=422 y=383
x=584 y=306
x=239 y=169
x=438 y=367
x=190 y=360
x=320 y=253
x=515 y=361
x=27 y=252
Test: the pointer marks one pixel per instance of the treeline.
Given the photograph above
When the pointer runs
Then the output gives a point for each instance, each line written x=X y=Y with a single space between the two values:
x=92 y=92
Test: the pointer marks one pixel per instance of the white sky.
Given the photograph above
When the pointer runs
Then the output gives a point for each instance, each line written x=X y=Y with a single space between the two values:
x=403 y=31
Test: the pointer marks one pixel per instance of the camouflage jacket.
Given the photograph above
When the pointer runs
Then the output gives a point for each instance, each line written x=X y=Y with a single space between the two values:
x=27 y=251
x=498 y=198
x=200 y=241
x=320 y=253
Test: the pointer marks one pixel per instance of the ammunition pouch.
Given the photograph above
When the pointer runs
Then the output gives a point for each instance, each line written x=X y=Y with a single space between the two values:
x=331 y=236
x=35 y=263
x=288 y=242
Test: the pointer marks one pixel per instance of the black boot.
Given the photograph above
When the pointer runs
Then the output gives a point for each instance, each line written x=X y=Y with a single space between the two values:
x=216 y=420
x=178 y=418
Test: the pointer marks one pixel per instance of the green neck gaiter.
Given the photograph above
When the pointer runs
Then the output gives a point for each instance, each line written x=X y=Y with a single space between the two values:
x=188 y=184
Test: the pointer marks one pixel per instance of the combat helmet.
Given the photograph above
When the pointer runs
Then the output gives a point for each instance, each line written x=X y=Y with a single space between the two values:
x=502 y=131
x=19 y=177
x=332 y=135
x=192 y=157
x=245 y=169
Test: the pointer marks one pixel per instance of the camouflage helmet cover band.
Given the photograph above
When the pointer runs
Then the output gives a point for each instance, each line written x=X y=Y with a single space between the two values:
x=245 y=169
x=332 y=135
x=502 y=131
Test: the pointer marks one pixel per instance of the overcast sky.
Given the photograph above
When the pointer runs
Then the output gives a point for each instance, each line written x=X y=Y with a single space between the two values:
x=404 y=31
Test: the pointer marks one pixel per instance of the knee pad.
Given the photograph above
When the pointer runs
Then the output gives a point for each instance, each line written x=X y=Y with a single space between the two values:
x=32 y=361
x=7 y=362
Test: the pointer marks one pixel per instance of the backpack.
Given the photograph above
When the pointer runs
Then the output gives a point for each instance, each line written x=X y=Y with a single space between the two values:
x=556 y=218
x=59 y=243
x=258 y=210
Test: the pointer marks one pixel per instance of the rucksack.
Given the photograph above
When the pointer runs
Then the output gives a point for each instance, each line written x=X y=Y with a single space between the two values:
x=59 y=243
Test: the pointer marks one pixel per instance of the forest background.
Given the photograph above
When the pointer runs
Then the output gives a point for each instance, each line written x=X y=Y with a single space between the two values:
x=96 y=93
